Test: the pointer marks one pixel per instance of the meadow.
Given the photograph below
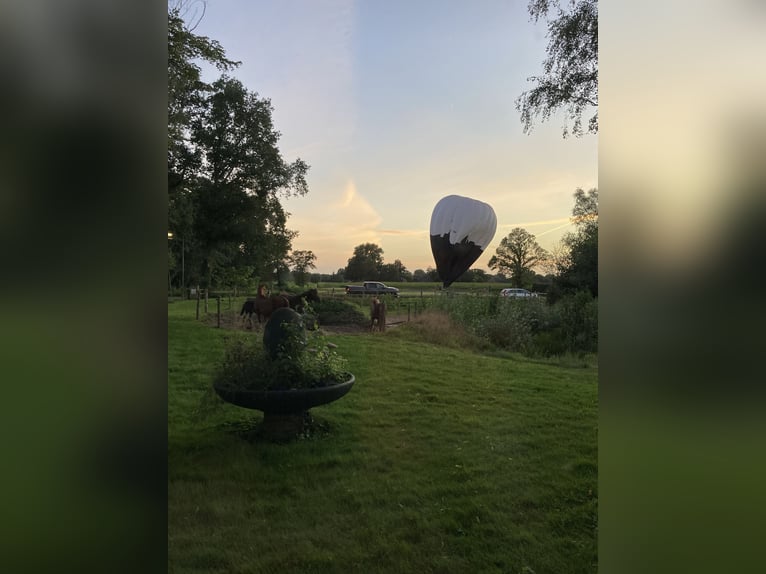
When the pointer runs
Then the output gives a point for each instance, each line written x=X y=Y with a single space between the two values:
x=442 y=458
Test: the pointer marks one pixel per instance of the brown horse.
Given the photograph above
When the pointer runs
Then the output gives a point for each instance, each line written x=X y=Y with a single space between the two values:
x=377 y=314
x=263 y=305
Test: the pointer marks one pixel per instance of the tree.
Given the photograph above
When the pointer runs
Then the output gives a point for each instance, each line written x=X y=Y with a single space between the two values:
x=302 y=261
x=395 y=271
x=578 y=270
x=570 y=72
x=432 y=275
x=186 y=91
x=186 y=88
x=366 y=263
x=238 y=218
x=517 y=254
x=419 y=275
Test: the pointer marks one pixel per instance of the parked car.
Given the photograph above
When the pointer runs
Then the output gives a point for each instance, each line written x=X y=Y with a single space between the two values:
x=515 y=292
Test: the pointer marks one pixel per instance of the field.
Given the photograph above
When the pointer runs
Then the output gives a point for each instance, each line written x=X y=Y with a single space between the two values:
x=439 y=460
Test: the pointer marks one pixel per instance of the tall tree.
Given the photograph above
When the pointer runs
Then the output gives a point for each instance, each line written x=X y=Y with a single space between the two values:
x=186 y=91
x=302 y=261
x=366 y=263
x=517 y=255
x=578 y=270
x=239 y=219
x=570 y=72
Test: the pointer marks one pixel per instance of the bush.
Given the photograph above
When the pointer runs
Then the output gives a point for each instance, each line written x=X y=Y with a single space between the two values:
x=528 y=326
x=334 y=312
x=579 y=321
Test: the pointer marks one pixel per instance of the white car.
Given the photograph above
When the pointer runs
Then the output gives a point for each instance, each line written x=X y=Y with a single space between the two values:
x=516 y=293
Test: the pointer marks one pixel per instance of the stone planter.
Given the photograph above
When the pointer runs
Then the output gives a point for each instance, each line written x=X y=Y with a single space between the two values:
x=285 y=412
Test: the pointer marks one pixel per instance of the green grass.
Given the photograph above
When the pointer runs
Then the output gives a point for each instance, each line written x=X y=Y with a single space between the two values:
x=438 y=460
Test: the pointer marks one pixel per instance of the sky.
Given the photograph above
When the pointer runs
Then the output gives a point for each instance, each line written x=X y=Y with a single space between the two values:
x=396 y=104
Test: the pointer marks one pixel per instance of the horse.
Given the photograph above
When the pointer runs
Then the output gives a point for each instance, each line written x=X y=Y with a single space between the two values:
x=296 y=301
x=377 y=314
x=263 y=305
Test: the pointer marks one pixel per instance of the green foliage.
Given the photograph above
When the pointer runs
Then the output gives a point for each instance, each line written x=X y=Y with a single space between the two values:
x=528 y=326
x=305 y=362
x=570 y=72
x=184 y=74
x=338 y=312
x=579 y=269
x=579 y=321
x=284 y=334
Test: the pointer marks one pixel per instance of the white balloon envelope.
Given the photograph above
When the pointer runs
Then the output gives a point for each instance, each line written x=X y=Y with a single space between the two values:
x=461 y=229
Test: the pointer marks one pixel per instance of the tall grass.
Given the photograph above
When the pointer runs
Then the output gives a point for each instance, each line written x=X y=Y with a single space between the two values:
x=528 y=326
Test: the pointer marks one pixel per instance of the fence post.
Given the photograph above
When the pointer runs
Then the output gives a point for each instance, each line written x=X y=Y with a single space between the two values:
x=198 y=294
x=207 y=292
x=218 y=299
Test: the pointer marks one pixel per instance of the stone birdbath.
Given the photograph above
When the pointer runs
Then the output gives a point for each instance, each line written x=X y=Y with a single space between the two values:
x=286 y=378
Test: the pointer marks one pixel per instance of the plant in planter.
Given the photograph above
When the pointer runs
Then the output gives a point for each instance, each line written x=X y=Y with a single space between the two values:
x=284 y=377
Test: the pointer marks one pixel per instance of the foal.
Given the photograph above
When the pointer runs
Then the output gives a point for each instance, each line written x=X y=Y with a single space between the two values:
x=377 y=313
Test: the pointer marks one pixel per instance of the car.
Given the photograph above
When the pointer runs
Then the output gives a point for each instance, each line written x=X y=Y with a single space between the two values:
x=515 y=292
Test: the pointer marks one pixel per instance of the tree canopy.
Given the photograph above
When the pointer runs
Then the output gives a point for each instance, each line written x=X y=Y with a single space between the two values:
x=302 y=261
x=517 y=255
x=366 y=263
x=569 y=80
x=578 y=269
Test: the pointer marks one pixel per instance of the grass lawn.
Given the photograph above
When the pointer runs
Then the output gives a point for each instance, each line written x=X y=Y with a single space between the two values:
x=438 y=460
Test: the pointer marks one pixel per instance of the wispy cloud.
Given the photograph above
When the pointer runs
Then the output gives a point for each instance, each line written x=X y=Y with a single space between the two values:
x=333 y=228
x=405 y=232
x=566 y=220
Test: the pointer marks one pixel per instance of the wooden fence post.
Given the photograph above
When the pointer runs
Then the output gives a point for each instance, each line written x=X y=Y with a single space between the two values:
x=198 y=294
x=207 y=292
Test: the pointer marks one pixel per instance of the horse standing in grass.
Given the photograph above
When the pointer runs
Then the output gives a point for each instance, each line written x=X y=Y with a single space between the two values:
x=377 y=314
x=263 y=305
x=296 y=301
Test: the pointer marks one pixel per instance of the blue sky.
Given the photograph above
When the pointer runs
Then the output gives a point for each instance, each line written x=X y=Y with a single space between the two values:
x=395 y=104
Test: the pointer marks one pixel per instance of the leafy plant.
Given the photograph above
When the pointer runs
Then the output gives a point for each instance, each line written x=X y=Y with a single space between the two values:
x=302 y=362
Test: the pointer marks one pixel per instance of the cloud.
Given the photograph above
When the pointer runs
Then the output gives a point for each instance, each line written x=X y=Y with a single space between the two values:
x=332 y=228
x=405 y=232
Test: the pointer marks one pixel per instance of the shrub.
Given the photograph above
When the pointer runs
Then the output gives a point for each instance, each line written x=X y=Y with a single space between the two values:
x=579 y=321
x=335 y=312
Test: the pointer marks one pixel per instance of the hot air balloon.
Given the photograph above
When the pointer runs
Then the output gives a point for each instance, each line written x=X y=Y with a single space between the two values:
x=461 y=229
